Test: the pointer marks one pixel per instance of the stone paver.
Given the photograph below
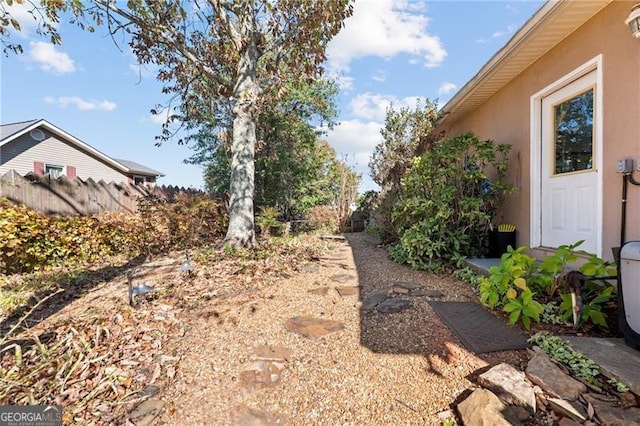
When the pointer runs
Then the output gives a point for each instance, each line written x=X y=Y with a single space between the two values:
x=320 y=291
x=341 y=278
x=146 y=412
x=348 y=291
x=271 y=353
x=543 y=372
x=391 y=306
x=373 y=300
x=510 y=384
x=251 y=417
x=313 y=328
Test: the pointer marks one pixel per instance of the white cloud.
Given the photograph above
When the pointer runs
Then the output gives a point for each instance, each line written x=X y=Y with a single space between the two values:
x=357 y=139
x=345 y=83
x=370 y=106
x=385 y=29
x=28 y=17
x=50 y=58
x=81 y=104
x=446 y=88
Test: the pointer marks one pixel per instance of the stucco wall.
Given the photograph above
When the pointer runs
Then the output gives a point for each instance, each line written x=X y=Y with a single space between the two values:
x=505 y=117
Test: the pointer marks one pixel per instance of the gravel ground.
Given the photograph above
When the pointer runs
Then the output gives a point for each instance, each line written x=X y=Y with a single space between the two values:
x=399 y=368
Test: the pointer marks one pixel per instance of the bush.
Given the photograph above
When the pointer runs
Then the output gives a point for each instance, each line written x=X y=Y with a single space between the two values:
x=184 y=220
x=451 y=195
x=519 y=284
x=30 y=240
x=267 y=220
x=322 y=218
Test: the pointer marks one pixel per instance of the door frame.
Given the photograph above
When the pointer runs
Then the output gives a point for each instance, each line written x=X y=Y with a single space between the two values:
x=535 y=178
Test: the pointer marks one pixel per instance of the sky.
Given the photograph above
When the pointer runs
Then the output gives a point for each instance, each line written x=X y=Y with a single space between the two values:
x=390 y=52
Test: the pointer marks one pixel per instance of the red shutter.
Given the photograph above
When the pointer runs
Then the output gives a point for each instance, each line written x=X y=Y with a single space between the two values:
x=38 y=168
x=71 y=172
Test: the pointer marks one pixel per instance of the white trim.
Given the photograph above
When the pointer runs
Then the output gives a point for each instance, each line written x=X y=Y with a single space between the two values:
x=70 y=138
x=535 y=144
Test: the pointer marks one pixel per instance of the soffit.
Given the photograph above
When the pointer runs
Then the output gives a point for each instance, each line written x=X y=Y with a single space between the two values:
x=552 y=23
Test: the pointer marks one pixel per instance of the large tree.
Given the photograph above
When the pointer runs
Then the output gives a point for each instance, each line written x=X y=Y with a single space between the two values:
x=290 y=156
x=216 y=54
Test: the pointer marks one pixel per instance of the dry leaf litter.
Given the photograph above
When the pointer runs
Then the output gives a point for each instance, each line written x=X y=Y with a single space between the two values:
x=278 y=338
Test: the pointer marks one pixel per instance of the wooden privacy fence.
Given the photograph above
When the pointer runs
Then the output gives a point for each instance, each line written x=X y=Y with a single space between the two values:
x=78 y=197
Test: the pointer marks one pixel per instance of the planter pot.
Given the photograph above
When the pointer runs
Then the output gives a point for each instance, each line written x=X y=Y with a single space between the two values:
x=499 y=241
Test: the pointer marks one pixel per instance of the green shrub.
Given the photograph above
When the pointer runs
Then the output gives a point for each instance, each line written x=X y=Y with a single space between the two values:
x=520 y=285
x=450 y=196
x=267 y=220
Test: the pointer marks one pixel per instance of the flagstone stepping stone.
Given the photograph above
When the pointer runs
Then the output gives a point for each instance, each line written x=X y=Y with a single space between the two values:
x=340 y=278
x=260 y=374
x=251 y=417
x=611 y=414
x=347 y=291
x=407 y=285
x=145 y=413
x=320 y=291
x=271 y=353
x=373 y=300
x=310 y=269
x=313 y=328
x=391 y=306
x=414 y=289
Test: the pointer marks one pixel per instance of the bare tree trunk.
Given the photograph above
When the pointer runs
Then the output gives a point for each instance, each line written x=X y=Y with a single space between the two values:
x=241 y=231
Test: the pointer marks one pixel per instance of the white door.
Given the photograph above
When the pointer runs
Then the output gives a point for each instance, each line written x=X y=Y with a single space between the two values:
x=569 y=180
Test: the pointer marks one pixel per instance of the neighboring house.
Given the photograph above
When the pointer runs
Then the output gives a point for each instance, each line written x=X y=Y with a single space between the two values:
x=39 y=147
x=565 y=93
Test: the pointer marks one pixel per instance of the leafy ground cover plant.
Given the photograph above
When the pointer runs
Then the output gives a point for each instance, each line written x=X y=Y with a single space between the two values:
x=533 y=291
x=450 y=196
x=561 y=351
x=468 y=276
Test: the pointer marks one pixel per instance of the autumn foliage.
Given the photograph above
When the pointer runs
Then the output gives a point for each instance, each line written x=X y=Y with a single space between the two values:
x=30 y=240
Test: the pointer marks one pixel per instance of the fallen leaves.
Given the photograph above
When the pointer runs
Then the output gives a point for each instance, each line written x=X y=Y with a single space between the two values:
x=99 y=364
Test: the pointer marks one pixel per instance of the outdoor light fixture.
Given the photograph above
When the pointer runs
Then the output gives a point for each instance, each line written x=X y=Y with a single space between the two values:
x=633 y=20
x=186 y=265
x=142 y=288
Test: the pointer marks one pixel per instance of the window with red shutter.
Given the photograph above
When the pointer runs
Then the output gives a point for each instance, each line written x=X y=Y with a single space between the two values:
x=71 y=172
x=38 y=168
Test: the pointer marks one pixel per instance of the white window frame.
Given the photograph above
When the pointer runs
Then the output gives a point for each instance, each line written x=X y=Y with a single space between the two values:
x=535 y=225
x=144 y=179
x=63 y=169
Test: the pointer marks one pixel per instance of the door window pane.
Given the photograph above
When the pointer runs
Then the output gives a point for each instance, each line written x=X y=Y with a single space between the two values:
x=573 y=128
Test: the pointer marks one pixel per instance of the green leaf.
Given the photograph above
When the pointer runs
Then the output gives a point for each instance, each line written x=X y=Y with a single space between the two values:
x=598 y=318
x=513 y=316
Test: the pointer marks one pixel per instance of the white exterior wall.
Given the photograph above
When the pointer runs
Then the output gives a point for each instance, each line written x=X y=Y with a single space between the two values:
x=20 y=155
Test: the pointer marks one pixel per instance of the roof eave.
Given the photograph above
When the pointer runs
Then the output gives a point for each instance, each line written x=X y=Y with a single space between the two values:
x=524 y=37
x=77 y=142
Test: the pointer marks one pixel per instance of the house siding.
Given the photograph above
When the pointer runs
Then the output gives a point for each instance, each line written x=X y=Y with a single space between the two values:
x=505 y=118
x=21 y=153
